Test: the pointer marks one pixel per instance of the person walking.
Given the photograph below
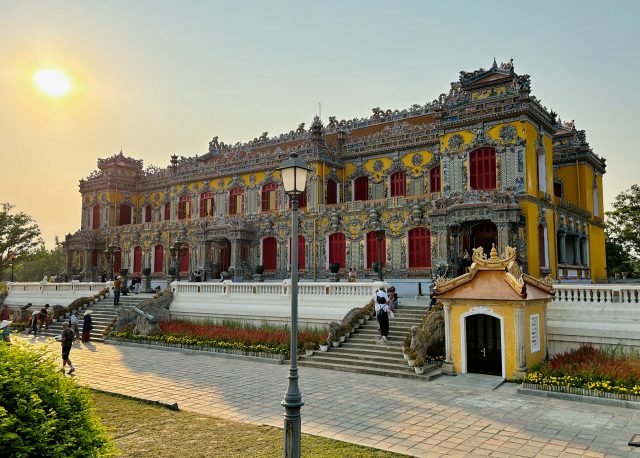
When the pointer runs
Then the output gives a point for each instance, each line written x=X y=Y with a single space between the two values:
x=44 y=318
x=33 y=324
x=382 y=315
x=136 y=282
x=5 y=331
x=87 y=326
x=73 y=322
x=4 y=313
x=66 y=341
x=117 y=284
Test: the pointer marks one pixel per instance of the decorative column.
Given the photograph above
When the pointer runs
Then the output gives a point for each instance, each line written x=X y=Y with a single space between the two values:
x=562 y=256
x=503 y=236
x=520 y=334
x=85 y=261
x=576 y=250
x=235 y=257
x=447 y=366
x=584 y=247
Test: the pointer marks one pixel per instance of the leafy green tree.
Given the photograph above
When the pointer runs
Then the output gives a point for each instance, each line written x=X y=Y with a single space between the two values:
x=41 y=262
x=19 y=235
x=43 y=413
x=623 y=232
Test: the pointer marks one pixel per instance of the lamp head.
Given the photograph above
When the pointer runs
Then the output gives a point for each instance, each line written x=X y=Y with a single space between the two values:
x=294 y=174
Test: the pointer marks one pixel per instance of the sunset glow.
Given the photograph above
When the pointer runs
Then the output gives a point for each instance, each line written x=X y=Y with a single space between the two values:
x=51 y=82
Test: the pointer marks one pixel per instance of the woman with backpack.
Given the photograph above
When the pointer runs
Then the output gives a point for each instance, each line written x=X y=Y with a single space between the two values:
x=381 y=308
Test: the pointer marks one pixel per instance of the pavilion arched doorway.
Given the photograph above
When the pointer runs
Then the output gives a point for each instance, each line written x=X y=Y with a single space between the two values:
x=483 y=344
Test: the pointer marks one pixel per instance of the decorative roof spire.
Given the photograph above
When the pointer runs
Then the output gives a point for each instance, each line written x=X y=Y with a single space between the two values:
x=495 y=64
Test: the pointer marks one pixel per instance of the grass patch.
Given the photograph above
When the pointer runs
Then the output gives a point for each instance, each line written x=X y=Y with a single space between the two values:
x=143 y=430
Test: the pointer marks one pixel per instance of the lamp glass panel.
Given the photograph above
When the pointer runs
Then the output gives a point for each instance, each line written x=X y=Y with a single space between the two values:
x=288 y=178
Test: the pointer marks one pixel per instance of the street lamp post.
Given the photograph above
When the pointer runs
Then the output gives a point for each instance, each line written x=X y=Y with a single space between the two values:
x=11 y=256
x=294 y=178
x=380 y=237
x=176 y=250
x=110 y=253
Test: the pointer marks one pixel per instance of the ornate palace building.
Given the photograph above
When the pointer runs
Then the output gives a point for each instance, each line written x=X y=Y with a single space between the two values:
x=485 y=163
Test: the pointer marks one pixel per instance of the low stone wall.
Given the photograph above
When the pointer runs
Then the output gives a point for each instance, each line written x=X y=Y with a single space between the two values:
x=318 y=303
x=605 y=316
x=39 y=294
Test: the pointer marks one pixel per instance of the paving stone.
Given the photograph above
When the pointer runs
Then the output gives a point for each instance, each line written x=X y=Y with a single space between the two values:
x=413 y=417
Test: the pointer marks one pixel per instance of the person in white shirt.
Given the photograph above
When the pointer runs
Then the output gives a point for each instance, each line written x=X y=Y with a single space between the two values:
x=382 y=314
x=73 y=321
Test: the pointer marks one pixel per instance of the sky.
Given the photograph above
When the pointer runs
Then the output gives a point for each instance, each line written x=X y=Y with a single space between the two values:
x=156 y=78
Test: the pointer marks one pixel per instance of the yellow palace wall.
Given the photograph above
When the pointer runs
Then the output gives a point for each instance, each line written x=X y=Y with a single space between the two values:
x=507 y=312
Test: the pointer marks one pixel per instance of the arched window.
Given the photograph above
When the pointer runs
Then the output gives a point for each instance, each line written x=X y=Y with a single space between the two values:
x=125 y=215
x=148 y=214
x=373 y=247
x=301 y=254
x=269 y=253
x=337 y=249
x=482 y=173
x=236 y=201
x=269 y=197
x=419 y=248
x=95 y=222
x=167 y=211
x=158 y=258
x=137 y=259
x=434 y=179
x=184 y=207
x=184 y=258
x=398 y=184
x=332 y=192
x=206 y=204
x=361 y=188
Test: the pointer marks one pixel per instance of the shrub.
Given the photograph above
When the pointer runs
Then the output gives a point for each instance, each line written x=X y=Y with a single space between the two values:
x=419 y=362
x=42 y=413
x=311 y=345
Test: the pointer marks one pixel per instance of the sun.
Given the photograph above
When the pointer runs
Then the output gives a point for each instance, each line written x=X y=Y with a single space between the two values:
x=52 y=82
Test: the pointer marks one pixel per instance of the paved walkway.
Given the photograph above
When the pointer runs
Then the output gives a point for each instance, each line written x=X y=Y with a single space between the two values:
x=412 y=417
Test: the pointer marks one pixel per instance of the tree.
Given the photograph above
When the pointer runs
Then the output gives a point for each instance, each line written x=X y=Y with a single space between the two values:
x=19 y=234
x=42 y=412
x=41 y=262
x=623 y=232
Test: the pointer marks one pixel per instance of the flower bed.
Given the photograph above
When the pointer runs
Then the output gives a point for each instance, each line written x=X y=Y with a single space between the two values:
x=230 y=337
x=589 y=371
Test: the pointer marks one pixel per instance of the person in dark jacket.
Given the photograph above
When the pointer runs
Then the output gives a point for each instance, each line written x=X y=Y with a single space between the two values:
x=87 y=326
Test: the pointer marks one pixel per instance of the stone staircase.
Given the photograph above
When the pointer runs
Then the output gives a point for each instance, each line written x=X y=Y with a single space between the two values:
x=102 y=313
x=362 y=352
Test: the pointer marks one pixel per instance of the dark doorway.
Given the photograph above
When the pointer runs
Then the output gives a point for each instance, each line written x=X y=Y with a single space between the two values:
x=225 y=255
x=484 y=235
x=484 y=349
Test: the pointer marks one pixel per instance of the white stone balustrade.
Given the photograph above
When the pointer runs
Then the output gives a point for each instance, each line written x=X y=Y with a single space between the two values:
x=318 y=302
x=606 y=315
x=21 y=293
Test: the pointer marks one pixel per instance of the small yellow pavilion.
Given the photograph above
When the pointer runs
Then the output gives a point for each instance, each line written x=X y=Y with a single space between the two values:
x=494 y=317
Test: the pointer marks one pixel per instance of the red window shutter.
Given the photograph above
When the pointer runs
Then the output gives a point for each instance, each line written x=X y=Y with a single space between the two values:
x=337 y=249
x=434 y=179
x=236 y=201
x=184 y=262
x=372 y=249
x=332 y=193
x=117 y=262
x=398 y=184
x=361 y=188
x=158 y=262
x=137 y=259
x=419 y=247
x=267 y=189
x=269 y=253
x=167 y=211
x=203 y=212
x=482 y=173
x=206 y=204
x=96 y=217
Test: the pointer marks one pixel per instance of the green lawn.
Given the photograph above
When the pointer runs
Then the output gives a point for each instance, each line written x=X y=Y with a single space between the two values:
x=144 y=430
